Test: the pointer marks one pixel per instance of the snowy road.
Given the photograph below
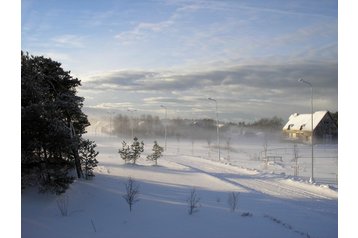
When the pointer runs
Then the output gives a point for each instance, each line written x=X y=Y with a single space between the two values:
x=270 y=184
x=265 y=184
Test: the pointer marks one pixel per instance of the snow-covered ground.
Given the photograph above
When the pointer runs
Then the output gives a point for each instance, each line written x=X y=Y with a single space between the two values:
x=272 y=202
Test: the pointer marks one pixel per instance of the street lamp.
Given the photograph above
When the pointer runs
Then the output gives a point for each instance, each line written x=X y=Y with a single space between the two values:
x=165 y=127
x=192 y=136
x=217 y=124
x=110 y=122
x=131 y=111
x=309 y=84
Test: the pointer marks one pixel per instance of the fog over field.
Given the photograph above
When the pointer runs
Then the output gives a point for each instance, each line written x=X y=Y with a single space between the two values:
x=240 y=145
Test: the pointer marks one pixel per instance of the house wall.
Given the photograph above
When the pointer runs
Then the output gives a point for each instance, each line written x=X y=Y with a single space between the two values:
x=304 y=136
x=326 y=131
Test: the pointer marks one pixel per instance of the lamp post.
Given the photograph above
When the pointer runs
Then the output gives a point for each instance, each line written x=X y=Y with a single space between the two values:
x=217 y=124
x=192 y=137
x=131 y=111
x=309 y=84
x=165 y=127
x=110 y=122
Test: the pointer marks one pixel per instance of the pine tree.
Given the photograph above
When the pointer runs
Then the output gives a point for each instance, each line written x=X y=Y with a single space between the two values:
x=125 y=152
x=52 y=123
x=136 y=150
x=88 y=157
x=132 y=152
x=157 y=153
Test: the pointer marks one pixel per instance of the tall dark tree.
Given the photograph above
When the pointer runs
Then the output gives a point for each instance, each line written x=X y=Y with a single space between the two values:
x=52 y=122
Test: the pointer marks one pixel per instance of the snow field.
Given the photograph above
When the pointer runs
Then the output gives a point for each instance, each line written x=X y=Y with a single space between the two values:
x=277 y=206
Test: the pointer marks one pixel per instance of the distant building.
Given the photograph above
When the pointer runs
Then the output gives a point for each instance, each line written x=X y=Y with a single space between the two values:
x=298 y=127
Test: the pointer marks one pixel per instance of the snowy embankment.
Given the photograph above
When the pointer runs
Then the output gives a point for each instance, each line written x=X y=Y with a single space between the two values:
x=269 y=205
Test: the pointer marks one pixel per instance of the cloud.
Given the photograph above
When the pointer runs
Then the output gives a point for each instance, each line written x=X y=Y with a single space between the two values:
x=112 y=106
x=69 y=41
x=141 y=30
x=265 y=76
x=254 y=89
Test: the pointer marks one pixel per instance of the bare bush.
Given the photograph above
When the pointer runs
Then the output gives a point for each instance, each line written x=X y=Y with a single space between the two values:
x=62 y=204
x=233 y=201
x=132 y=193
x=193 y=202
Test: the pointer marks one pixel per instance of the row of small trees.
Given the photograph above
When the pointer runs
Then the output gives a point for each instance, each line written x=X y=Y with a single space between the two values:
x=131 y=153
x=131 y=196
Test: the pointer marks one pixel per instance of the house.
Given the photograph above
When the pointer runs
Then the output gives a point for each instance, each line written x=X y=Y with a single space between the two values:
x=298 y=127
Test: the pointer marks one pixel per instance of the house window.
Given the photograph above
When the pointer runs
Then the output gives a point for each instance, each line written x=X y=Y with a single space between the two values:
x=289 y=127
x=301 y=127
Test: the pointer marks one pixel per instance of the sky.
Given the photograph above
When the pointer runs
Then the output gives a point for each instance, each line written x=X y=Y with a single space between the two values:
x=139 y=55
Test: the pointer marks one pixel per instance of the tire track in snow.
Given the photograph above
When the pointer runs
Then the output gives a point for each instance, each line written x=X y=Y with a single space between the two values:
x=248 y=181
x=275 y=188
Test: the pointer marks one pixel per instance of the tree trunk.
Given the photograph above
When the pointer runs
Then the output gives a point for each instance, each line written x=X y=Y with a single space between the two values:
x=77 y=163
x=75 y=148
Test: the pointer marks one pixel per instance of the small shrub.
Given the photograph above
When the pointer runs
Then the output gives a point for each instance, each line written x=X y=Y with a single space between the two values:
x=193 y=202
x=132 y=193
x=233 y=201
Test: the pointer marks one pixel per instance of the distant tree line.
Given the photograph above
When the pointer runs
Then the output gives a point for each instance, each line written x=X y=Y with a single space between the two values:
x=268 y=123
x=152 y=126
x=52 y=124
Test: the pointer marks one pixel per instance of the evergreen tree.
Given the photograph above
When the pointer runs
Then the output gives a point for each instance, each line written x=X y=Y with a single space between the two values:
x=136 y=150
x=88 y=157
x=132 y=152
x=157 y=153
x=125 y=152
x=52 y=123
